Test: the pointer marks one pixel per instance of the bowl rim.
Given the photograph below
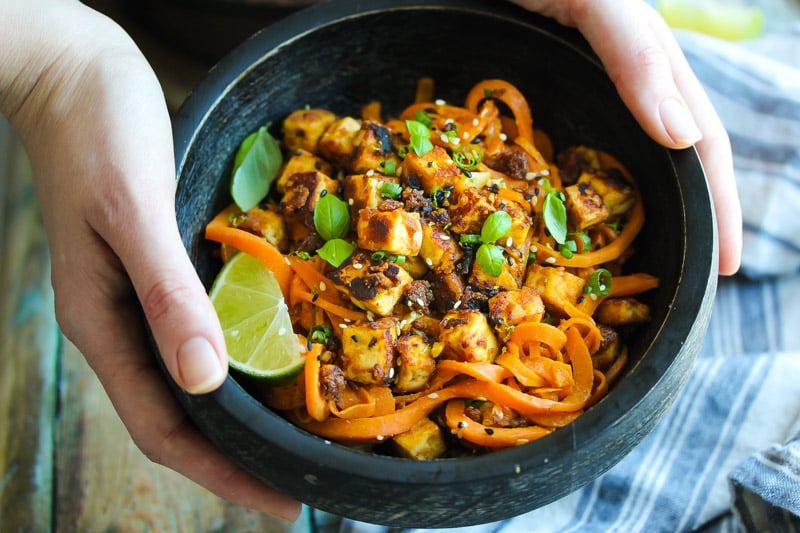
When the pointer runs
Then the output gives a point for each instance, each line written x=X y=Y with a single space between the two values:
x=700 y=251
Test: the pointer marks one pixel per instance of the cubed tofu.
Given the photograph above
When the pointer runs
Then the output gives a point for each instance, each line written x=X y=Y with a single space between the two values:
x=509 y=308
x=373 y=146
x=556 y=286
x=439 y=249
x=621 y=311
x=511 y=275
x=517 y=241
x=585 y=207
x=609 y=348
x=434 y=170
x=423 y=442
x=448 y=289
x=303 y=190
x=396 y=232
x=466 y=336
x=268 y=224
x=374 y=285
x=303 y=128
x=338 y=142
x=618 y=195
x=368 y=351
x=301 y=161
x=469 y=210
x=361 y=191
x=415 y=363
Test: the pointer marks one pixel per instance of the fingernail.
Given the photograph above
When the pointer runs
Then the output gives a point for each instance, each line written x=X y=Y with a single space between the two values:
x=199 y=366
x=678 y=122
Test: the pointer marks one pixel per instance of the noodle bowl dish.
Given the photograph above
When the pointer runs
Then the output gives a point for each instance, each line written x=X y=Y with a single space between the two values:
x=498 y=283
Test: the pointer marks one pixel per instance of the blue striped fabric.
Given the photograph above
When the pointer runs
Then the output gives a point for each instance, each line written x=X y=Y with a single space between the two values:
x=726 y=457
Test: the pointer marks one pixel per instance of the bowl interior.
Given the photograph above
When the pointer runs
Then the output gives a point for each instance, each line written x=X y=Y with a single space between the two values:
x=344 y=54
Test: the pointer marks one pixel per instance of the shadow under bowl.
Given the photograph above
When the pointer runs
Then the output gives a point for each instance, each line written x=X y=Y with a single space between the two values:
x=343 y=54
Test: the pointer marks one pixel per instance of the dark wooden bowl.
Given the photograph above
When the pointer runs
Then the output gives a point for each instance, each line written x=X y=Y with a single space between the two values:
x=342 y=54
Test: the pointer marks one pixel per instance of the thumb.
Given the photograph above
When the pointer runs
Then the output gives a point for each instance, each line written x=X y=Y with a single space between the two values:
x=179 y=312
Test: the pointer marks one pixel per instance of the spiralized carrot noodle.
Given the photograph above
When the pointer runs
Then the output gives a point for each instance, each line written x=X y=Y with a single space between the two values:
x=420 y=300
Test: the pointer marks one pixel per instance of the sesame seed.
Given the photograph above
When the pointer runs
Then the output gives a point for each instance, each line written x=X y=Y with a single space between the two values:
x=350 y=201
x=354 y=337
x=439 y=101
x=545 y=172
x=391 y=373
x=433 y=396
x=314 y=297
x=517 y=469
x=593 y=296
x=450 y=121
x=429 y=261
x=489 y=431
x=379 y=437
x=475 y=121
x=509 y=242
x=343 y=326
x=530 y=175
x=465 y=135
x=534 y=201
x=370 y=172
x=347 y=319
x=444 y=138
x=534 y=249
x=445 y=237
x=462 y=424
x=551 y=260
x=370 y=316
x=457 y=305
x=503 y=137
x=358 y=266
x=420 y=302
x=322 y=286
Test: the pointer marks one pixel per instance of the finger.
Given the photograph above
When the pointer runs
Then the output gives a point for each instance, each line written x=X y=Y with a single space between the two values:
x=714 y=150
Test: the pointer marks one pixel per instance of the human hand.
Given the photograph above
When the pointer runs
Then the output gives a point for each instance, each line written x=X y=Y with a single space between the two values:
x=656 y=82
x=94 y=122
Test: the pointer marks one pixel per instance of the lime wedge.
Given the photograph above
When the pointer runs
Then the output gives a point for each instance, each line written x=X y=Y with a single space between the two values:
x=255 y=321
x=732 y=22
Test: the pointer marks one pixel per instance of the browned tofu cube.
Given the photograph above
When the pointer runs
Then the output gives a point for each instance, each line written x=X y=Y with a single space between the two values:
x=338 y=142
x=303 y=190
x=415 y=363
x=469 y=210
x=556 y=286
x=509 y=308
x=439 y=249
x=517 y=241
x=585 y=207
x=448 y=289
x=361 y=191
x=368 y=351
x=511 y=275
x=268 y=224
x=466 y=336
x=618 y=195
x=423 y=442
x=620 y=311
x=373 y=146
x=396 y=231
x=435 y=170
x=609 y=348
x=303 y=128
x=376 y=286
x=301 y=161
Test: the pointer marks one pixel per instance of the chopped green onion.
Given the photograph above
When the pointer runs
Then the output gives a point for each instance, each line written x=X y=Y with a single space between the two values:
x=469 y=238
x=599 y=283
x=389 y=167
x=423 y=118
x=319 y=334
x=467 y=157
x=391 y=190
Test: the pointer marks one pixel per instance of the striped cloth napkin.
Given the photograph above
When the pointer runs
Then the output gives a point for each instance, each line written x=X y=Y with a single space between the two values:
x=726 y=457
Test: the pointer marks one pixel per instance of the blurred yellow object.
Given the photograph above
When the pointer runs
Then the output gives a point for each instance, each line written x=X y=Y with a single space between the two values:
x=726 y=20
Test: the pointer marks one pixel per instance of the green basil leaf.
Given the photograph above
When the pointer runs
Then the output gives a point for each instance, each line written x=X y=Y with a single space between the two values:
x=555 y=217
x=420 y=137
x=336 y=251
x=490 y=258
x=390 y=189
x=256 y=166
x=331 y=217
x=495 y=226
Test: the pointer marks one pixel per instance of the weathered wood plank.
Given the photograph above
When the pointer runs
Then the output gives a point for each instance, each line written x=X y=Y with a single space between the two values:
x=28 y=350
x=106 y=484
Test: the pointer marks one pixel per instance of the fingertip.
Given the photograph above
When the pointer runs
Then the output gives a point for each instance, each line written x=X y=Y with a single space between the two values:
x=200 y=369
x=678 y=123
